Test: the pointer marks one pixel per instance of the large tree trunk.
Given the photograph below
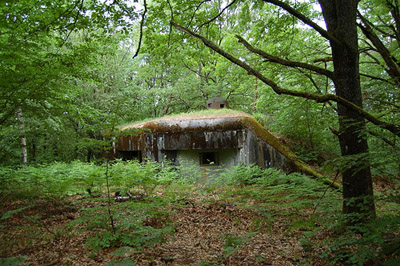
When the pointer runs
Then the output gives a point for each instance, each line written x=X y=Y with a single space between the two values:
x=21 y=127
x=340 y=18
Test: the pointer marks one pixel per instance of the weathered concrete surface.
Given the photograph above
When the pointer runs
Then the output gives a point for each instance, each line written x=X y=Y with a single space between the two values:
x=217 y=132
x=217 y=103
x=223 y=130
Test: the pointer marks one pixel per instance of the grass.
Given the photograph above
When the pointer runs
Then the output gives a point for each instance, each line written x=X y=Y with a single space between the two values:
x=192 y=114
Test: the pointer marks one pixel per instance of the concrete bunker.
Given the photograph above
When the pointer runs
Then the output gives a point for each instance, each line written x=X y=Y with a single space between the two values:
x=211 y=140
x=217 y=140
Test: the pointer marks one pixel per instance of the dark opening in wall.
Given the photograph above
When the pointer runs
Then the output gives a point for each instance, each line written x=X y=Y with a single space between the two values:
x=209 y=158
x=129 y=155
x=172 y=156
x=222 y=105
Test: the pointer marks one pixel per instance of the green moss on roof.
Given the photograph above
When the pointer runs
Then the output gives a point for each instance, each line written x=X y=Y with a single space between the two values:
x=197 y=113
x=157 y=123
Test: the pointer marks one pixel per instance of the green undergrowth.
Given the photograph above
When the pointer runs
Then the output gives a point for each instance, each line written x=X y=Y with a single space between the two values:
x=137 y=224
x=302 y=208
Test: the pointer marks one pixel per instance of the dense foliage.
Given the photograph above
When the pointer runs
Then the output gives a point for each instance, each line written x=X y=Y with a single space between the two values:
x=71 y=69
x=71 y=80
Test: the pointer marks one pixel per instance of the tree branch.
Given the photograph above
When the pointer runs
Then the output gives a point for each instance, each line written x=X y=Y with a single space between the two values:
x=172 y=18
x=197 y=8
x=389 y=142
x=141 y=30
x=395 y=129
x=74 y=23
x=285 y=62
x=198 y=73
x=314 y=83
x=376 y=78
x=392 y=104
x=395 y=11
x=306 y=20
x=217 y=16
x=394 y=68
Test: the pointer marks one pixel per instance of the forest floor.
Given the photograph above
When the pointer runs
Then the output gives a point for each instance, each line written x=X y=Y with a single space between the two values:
x=240 y=226
x=207 y=230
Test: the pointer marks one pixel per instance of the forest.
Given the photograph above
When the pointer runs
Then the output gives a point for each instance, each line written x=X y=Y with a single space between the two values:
x=323 y=76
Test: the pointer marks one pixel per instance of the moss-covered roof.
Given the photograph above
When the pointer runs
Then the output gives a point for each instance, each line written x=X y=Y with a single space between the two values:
x=222 y=119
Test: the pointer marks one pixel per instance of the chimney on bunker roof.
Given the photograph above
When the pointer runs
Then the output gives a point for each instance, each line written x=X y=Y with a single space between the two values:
x=217 y=103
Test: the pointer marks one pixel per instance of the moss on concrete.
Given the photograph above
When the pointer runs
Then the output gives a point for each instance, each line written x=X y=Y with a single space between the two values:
x=294 y=161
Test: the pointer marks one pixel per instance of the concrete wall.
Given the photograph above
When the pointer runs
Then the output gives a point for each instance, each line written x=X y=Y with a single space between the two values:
x=232 y=146
x=190 y=159
x=227 y=158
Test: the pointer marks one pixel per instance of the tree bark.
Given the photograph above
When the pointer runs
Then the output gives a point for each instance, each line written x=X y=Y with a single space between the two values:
x=21 y=127
x=340 y=17
x=255 y=95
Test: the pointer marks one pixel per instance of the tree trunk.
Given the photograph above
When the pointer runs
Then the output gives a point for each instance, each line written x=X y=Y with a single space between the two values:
x=33 y=157
x=255 y=95
x=340 y=17
x=21 y=127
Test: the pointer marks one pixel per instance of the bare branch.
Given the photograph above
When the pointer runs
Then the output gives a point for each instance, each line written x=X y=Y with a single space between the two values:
x=395 y=129
x=285 y=62
x=324 y=60
x=217 y=16
x=73 y=24
x=306 y=20
x=172 y=18
x=197 y=8
x=314 y=83
x=374 y=59
x=376 y=78
x=392 y=104
x=141 y=30
x=198 y=73
x=378 y=63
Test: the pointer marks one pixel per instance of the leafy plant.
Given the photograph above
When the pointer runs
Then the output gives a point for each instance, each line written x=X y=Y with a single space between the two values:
x=241 y=174
x=14 y=261
x=233 y=243
x=358 y=244
x=143 y=177
x=51 y=180
x=137 y=225
x=123 y=262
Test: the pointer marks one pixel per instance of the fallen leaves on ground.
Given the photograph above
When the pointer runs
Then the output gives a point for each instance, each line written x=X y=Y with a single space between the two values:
x=207 y=231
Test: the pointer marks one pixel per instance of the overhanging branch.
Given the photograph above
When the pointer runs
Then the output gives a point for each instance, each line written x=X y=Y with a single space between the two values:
x=284 y=62
x=219 y=14
x=141 y=30
x=394 y=68
x=306 y=20
x=395 y=129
